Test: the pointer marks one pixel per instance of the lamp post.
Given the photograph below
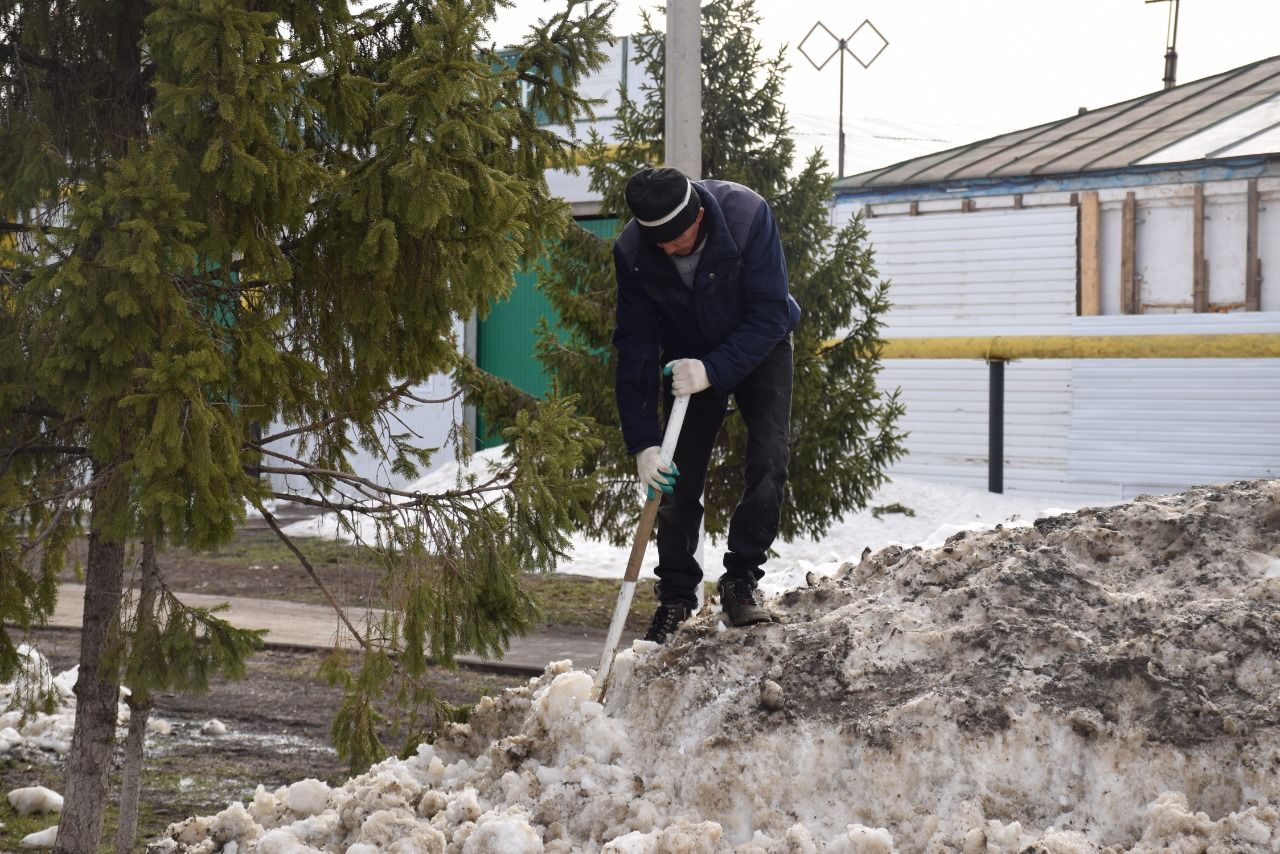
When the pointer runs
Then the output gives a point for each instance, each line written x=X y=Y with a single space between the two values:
x=868 y=37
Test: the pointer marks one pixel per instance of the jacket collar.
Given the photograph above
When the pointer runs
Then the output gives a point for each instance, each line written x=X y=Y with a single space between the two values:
x=719 y=242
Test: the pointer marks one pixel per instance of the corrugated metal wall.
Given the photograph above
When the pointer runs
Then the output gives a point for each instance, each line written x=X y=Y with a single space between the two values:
x=946 y=417
x=999 y=272
x=1093 y=430
x=1154 y=426
x=1004 y=272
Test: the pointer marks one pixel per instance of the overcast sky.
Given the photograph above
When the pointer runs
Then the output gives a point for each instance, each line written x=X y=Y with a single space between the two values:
x=958 y=72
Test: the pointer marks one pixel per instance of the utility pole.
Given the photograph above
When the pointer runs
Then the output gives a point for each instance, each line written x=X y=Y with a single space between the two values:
x=1170 y=44
x=682 y=122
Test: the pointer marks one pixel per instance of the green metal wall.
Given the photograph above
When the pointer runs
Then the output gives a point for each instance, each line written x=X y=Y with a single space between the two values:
x=505 y=339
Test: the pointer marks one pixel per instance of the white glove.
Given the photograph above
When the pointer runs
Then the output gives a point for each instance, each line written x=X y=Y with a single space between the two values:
x=688 y=376
x=653 y=474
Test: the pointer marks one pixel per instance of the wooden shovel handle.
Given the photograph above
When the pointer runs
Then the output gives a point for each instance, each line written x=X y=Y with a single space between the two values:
x=648 y=516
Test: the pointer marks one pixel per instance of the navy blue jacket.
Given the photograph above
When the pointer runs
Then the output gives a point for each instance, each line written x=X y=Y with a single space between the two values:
x=738 y=309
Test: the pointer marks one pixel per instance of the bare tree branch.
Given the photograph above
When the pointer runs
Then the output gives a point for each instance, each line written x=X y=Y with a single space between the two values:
x=13 y=52
x=43 y=412
x=491 y=485
x=306 y=564
x=457 y=394
x=73 y=450
x=64 y=504
x=322 y=503
x=398 y=391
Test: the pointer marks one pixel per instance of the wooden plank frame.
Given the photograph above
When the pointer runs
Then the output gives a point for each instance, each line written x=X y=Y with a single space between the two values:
x=1129 y=296
x=1253 y=264
x=1090 y=273
x=1199 y=265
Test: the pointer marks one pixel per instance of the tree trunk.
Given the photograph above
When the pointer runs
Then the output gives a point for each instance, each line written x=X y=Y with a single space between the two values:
x=131 y=775
x=140 y=710
x=97 y=687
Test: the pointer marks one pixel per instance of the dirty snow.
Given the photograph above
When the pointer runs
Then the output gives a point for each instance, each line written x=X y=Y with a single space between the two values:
x=1102 y=680
x=308 y=797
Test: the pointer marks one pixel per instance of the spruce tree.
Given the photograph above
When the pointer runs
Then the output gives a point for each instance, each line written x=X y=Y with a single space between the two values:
x=843 y=432
x=219 y=215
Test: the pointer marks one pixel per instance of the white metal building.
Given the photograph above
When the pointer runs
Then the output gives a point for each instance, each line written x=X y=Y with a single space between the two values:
x=1156 y=216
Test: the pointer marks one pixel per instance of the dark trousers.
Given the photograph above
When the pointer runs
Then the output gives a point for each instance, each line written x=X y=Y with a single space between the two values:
x=764 y=402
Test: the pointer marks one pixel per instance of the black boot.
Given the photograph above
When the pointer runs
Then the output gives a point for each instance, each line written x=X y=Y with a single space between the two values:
x=739 y=603
x=665 y=622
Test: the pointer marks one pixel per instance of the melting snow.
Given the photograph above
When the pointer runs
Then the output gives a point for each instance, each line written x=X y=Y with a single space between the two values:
x=31 y=799
x=46 y=730
x=1103 y=680
x=41 y=838
x=213 y=726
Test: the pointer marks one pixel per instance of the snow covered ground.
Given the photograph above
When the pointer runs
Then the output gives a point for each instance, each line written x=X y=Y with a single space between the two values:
x=939 y=509
x=1105 y=680
x=39 y=712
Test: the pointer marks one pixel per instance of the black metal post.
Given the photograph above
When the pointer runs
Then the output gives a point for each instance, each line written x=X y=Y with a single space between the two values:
x=995 y=428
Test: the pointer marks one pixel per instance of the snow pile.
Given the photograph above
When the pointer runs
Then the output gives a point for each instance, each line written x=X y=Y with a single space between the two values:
x=213 y=726
x=50 y=727
x=41 y=838
x=32 y=799
x=1100 y=680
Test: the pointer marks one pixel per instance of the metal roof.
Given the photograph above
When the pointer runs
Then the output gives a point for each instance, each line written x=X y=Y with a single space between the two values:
x=1232 y=114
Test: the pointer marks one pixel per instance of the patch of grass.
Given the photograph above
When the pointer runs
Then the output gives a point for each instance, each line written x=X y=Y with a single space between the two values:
x=257 y=565
x=17 y=826
x=264 y=549
x=578 y=600
x=164 y=799
x=16 y=771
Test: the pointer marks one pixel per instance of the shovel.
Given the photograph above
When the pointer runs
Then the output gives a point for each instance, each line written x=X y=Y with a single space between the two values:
x=645 y=528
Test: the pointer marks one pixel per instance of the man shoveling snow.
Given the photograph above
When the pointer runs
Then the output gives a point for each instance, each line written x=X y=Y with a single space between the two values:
x=702 y=289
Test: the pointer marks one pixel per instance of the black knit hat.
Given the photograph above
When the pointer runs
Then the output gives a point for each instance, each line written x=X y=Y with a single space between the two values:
x=664 y=202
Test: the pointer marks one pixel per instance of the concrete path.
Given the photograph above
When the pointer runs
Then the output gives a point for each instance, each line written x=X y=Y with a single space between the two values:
x=315 y=627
